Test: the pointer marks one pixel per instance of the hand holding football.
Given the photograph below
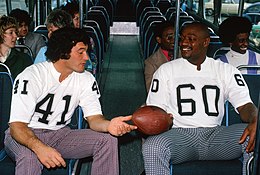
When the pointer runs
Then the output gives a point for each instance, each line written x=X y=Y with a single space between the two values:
x=152 y=120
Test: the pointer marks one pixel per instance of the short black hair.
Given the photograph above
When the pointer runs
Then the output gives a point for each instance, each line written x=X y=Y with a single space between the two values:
x=203 y=28
x=160 y=28
x=63 y=40
x=21 y=16
x=232 y=26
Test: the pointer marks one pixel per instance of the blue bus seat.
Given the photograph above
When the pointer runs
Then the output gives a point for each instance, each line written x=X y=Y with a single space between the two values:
x=220 y=51
x=42 y=29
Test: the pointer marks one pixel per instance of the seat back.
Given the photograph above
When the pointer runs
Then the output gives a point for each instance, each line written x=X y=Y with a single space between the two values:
x=145 y=10
x=108 y=4
x=104 y=10
x=256 y=162
x=25 y=49
x=146 y=25
x=140 y=6
x=42 y=29
x=221 y=51
x=6 y=84
x=171 y=16
x=253 y=83
x=99 y=17
x=149 y=41
x=146 y=16
x=93 y=34
x=95 y=25
x=163 y=5
x=4 y=68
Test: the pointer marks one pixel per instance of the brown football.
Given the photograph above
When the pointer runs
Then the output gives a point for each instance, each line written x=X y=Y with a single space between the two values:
x=151 y=120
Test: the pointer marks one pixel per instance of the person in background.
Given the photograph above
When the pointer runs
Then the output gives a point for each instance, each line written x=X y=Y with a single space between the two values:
x=33 y=40
x=73 y=9
x=55 y=20
x=194 y=89
x=164 y=35
x=235 y=32
x=15 y=61
x=52 y=90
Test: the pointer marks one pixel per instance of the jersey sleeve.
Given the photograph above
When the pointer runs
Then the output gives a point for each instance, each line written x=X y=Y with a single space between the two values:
x=237 y=91
x=89 y=99
x=158 y=95
x=24 y=96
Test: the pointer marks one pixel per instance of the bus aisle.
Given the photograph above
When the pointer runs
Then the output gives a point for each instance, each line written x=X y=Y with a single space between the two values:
x=122 y=92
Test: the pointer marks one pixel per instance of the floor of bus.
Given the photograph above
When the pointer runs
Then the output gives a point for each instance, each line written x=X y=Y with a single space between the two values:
x=122 y=90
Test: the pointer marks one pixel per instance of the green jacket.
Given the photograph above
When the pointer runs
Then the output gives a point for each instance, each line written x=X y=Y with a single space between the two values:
x=17 y=62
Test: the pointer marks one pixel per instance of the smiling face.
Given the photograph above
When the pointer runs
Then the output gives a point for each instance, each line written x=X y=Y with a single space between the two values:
x=194 y=41
x=167 y=40
x=9 y=38
x=240 y=43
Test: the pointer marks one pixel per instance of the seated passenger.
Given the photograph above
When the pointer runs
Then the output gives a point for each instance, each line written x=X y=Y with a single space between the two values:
x=164 y=35
x=38 y=135
x=55 y=20
x=235 y=31
x=194 y=89
x=73 y=9
x=16 y=61
x=33 y=40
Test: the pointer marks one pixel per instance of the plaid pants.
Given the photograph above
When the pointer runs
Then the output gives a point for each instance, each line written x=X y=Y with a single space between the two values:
x=188 y=144
x=72 y=144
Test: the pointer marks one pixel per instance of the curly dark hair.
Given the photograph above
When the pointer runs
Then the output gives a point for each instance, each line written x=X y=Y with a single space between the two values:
x=232 y=26
x=63 y=40
x=21 y=16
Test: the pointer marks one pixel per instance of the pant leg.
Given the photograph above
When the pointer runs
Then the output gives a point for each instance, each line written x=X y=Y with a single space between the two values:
x=83 y=143
x=178 y=145
x=71 y=144
x=26 y=161
x=224 y=145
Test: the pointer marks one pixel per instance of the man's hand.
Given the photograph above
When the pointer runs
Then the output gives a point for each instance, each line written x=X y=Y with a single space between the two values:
x=49 y=157
x=251 y=132
x=119 y=127
x=248 y=113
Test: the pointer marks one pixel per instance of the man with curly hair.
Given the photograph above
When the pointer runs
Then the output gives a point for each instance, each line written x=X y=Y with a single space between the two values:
x=235 y=32
x=44 y=99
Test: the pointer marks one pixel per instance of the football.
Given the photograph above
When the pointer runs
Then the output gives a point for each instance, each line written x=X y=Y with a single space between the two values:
x=151 y=120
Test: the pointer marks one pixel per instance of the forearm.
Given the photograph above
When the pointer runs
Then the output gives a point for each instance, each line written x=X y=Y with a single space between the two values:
x=98 y=123
x=248 y=112
x=25 y=136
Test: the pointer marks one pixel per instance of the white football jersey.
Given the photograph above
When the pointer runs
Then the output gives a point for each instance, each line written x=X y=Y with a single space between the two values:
x=196 y=97
x=40 y=100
